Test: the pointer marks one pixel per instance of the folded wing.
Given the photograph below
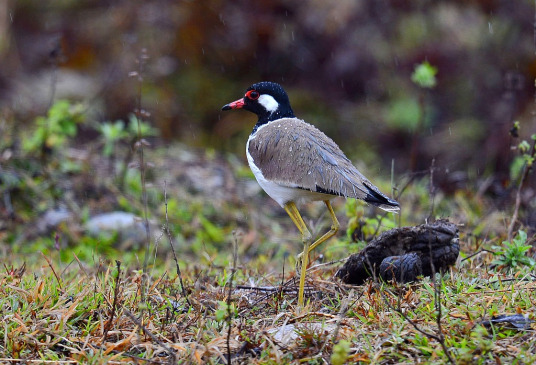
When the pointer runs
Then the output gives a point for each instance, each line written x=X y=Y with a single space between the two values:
x=293 y=153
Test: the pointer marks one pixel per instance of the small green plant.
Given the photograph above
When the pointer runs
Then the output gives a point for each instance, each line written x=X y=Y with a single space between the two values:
x=53 y=130
x=116 y=133
x=513 y=254
x=340 y=352
x=526 y=154
x=112 y=133
x=145 y=129
x=404 y=114
x=424 y=76
x=361 y=227
x=224 y=309
x=523 y=166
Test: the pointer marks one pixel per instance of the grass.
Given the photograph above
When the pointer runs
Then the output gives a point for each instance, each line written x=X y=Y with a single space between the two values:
x=73 y=304
x=96 y=314
x=64 y=298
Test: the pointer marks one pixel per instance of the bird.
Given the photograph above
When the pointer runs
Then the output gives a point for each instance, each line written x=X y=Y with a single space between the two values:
x=296 y=163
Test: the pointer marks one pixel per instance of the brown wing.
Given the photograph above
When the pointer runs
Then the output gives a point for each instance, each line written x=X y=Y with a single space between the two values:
x=293 y=153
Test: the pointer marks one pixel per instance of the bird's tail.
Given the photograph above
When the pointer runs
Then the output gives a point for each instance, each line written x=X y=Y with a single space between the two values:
x=375 y=197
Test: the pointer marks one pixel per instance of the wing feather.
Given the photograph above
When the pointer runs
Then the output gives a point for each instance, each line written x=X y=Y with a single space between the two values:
x=293 y=153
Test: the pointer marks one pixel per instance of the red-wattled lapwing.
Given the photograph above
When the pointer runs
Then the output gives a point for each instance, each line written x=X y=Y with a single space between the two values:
x=296 y=163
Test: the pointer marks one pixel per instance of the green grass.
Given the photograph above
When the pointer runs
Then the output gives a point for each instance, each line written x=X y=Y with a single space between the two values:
x=61 y=307
x=63 y=298
x=61 y=313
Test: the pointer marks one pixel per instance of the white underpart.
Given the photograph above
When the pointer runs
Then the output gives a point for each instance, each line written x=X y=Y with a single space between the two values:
x=268 y=102
x=280 y=193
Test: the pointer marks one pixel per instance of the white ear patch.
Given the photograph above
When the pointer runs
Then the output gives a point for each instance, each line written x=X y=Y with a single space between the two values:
x=269 y=103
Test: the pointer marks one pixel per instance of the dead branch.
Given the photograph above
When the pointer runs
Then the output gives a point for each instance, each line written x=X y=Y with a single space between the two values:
x=137 y=322
x=170 y=239
x=109 y=323
x=229 y=312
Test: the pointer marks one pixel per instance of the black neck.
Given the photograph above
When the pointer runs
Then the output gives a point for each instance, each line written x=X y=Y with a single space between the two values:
x=270 y=117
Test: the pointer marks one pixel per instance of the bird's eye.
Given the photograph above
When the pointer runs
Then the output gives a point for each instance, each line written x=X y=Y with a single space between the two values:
x=253 y=94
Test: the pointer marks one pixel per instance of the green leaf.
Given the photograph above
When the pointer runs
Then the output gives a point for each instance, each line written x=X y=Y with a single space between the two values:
x=513 y=254
x=424 y=75
x=523 y=146
x=53 y=130
x=113 y=131
x=145 y=129
x=520 y=238
x=516 y=167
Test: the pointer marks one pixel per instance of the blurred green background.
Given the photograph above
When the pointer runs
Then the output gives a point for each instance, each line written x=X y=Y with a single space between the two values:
x=346 y=65
x=421 y=95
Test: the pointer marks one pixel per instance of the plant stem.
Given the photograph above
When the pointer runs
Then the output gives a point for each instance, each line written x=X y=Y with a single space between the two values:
x=168 y=232
x=229 y=302
x=524 y=175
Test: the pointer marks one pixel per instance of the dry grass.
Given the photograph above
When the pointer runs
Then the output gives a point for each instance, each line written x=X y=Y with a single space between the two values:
x=76 y=309
x=96 y=315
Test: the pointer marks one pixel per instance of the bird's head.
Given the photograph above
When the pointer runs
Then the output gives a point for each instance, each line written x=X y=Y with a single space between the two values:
x=266 y=99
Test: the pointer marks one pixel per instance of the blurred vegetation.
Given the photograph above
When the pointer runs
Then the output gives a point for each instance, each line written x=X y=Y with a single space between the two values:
x=346 y=64
x=433 y=101
x=436 y=96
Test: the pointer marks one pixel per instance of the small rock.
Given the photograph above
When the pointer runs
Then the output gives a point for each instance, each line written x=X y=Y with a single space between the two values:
x=127 y=225
x=285 y=334
x=53 y=218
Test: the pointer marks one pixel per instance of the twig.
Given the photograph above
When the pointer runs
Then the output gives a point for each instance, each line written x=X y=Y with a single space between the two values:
x=398 y=309
x=108 y=324
x=432 y=190
x=55 y=56
x=333 y=262
x=270 y=289
x=437 y=299
x=7 y=203
x=526 y=167
x=394 y=188
x=229 y=312
x=437 y=337
x=437 y=286
x=170 y=239
x=40 y=361
x=137 y=322
x=53 y=271
x=342 y=315
x=509 y=290
x=280 y=288
x=124 y=168
x=477 y=253
x=139 y=146
x=315 y=314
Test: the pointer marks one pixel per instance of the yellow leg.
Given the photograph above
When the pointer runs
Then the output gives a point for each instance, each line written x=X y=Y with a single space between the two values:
x=334 y=228
x=294 y=214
